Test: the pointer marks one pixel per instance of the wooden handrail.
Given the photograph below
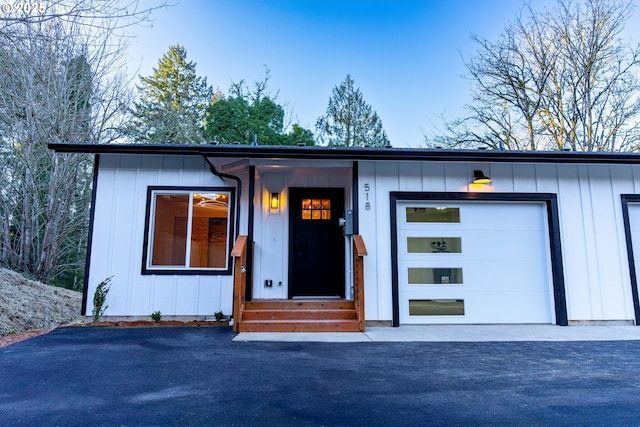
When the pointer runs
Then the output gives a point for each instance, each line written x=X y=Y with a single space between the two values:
x=239 y=253
x=359 y=252
x=358 y=245
x=239 y=246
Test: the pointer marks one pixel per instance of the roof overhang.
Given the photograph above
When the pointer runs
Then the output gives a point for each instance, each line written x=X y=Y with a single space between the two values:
x=344 y=153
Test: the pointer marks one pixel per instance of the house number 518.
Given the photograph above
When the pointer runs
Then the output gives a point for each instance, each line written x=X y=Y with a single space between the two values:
x=367 y=203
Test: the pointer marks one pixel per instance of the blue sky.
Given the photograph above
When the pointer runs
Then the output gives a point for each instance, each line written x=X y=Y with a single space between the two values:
x=404 y=55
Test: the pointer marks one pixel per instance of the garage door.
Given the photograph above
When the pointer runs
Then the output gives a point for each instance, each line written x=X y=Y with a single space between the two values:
x=473 y=262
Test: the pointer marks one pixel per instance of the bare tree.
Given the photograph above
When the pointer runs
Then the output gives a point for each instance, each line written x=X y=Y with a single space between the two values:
x=62 y=82
x=555 y=79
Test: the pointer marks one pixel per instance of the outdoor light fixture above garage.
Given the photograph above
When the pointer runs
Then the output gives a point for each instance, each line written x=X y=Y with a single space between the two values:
x=480 y=178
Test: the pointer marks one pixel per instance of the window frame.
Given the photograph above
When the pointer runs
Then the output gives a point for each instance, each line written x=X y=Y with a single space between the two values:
x=152 y=191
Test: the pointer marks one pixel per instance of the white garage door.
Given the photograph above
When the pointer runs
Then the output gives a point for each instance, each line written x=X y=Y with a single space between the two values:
x=474 y=262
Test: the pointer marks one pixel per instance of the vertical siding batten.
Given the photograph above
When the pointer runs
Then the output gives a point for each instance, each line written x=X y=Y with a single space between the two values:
x=457 y=177
x=134 y=243
x=502 y=175
x=433 y=176
x=573 y=241
x=590 y=242
x=100 y=250
x=121 y=232
x=388 y=177
x=368 y=231
x=622 y=183
x=610 y=280
x=524 y=178
x=411 y=177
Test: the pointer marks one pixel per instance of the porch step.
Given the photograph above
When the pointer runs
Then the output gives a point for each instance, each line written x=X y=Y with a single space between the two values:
x=345 y=314
x=299 y=304
x=299 y=316
x=299 y=326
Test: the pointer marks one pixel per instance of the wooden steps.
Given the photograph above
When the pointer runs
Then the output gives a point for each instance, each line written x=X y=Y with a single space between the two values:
x=299 y=315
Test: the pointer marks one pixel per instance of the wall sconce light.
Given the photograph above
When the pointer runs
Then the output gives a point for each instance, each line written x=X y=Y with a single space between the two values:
x=274 y=201
x=480 y=178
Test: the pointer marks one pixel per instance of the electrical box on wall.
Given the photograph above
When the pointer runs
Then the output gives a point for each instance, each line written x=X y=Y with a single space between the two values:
x=347 y=222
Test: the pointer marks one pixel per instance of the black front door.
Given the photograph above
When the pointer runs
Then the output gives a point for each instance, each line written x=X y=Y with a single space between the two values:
x=316 y=242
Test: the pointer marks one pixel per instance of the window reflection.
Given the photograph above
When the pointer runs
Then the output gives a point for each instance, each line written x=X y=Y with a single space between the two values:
x=440 y=214
x=190 y=229
x=434 y=276
x=436 y=307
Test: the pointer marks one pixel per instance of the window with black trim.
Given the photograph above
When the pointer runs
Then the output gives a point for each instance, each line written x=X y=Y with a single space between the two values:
x=188 y=230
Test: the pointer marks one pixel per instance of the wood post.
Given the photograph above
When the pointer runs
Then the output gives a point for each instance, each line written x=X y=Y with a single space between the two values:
x=239 y=253
x=359 y=252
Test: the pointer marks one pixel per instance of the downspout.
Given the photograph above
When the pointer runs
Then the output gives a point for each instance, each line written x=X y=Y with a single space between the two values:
x=214 y=171
x=223 y=176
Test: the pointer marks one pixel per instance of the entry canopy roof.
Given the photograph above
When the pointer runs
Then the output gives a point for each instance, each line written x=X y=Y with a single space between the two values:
x=349 y=153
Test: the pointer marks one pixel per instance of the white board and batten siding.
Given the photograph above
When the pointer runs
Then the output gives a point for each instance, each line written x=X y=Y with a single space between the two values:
x=118 y=236
x=594 y=253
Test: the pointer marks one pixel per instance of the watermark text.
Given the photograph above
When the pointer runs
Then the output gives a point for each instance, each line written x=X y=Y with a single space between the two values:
x=20 y=8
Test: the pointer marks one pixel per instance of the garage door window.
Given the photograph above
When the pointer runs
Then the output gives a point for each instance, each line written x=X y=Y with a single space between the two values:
x=436 y=307
x=439 y=214
x=434 y=276
x=434 y=245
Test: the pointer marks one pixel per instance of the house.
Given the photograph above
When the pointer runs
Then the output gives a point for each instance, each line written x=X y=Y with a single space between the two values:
x=319 y=238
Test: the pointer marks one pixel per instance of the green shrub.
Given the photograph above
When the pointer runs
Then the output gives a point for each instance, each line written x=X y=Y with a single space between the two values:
x=218 y=315
x=99 y=299
x=156 y=316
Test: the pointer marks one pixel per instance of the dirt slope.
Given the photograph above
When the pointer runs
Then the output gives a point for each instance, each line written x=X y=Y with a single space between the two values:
x=27 y=305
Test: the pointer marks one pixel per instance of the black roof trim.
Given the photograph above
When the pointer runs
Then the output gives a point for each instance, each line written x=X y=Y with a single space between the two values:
x=343 y=153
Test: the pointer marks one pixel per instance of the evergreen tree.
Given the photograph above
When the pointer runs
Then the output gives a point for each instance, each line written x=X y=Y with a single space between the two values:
x=172 y=102
x=349 y=120
x=246 y=113
x=300 y=136
x=236 y=119
x=226 y=120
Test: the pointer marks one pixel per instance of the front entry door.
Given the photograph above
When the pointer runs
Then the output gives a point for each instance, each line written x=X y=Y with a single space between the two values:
x=316 y=242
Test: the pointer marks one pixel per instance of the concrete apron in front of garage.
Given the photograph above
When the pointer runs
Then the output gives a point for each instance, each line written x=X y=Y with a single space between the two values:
x=457 y=333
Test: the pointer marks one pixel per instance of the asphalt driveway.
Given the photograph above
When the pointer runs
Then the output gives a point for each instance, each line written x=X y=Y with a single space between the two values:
x=200 y=377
